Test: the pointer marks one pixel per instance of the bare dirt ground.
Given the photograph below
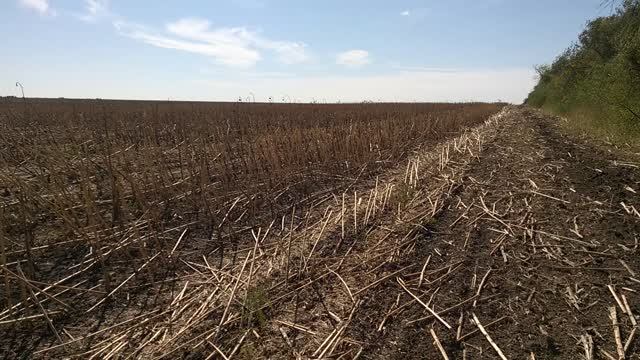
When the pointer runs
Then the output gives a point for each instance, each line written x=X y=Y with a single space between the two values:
x=511 y=241
x=543 y=233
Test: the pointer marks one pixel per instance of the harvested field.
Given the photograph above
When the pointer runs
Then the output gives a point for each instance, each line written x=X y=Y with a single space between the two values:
x=433 y=231
x=107 y=207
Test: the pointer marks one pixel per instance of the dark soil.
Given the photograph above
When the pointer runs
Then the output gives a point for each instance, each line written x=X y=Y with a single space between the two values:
x=531 y=235
x=548 y=290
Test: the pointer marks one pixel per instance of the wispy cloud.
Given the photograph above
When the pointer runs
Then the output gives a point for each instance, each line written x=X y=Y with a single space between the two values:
x=426 y=69
x=353 y=58
x=42 y=7
x=416 y=15
x=510 y=85
x=232 y=46
x=94 y=10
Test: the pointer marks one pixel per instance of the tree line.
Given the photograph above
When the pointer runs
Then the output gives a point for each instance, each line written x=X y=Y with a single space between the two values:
x=599 y=75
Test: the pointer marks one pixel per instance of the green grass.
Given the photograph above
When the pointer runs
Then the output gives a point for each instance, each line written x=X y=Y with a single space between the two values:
x=256 y=299
x=587 y=122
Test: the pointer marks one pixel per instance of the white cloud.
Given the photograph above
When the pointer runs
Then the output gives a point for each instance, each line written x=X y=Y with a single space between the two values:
x=40 y=6
x=288 y=52
x=353 y=58
x=510 y=85
x=453 y=85
x=235 y=46
x=416 y=15
x=94 y=9
x=425 y=69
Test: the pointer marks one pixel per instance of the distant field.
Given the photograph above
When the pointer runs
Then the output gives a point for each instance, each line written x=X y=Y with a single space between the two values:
x=93 y=193
x=110 y=163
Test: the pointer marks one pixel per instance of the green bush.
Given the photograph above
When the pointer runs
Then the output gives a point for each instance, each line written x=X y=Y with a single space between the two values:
x=599 y=75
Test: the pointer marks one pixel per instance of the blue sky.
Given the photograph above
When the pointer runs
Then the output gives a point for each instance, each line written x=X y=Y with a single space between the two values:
x=456 y=50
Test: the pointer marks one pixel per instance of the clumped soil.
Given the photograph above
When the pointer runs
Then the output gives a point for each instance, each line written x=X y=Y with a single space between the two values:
x=553 y=237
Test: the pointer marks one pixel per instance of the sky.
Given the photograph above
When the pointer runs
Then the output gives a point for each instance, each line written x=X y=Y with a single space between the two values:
x=330 y=50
